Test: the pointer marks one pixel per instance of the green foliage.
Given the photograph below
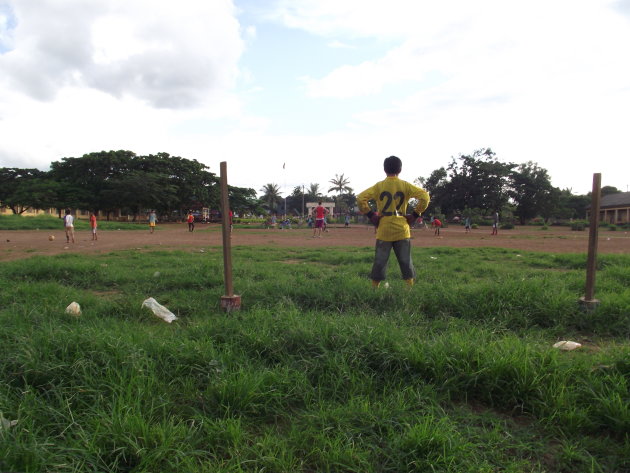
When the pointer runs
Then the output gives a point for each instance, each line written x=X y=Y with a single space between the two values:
x=579 y=225
x=478 y=180
x=318 y=371
x=271 y=197
x=22 y=189
x=112 y=180
x=532 y=192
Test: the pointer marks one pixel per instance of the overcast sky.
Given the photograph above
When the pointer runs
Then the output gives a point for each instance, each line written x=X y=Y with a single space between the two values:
x=325 y=86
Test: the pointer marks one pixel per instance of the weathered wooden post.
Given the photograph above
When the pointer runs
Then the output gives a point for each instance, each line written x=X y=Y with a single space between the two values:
x=588 y=302
x=229 y=301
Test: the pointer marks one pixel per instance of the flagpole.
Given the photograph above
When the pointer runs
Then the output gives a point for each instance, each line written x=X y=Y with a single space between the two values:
x=284 y=168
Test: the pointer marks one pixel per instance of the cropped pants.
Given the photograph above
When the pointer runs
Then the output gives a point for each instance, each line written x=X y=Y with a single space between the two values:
x=402 y=250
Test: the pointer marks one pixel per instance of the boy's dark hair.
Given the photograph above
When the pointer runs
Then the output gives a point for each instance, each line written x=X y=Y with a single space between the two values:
x=320 y=202
x=392 y=165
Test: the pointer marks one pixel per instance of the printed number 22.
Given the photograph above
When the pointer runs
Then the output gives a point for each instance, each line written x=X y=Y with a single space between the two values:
x=398 y=196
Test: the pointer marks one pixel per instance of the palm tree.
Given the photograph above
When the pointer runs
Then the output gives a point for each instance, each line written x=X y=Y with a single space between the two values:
x=313 y=192
x=340 y=184
x=271 y=196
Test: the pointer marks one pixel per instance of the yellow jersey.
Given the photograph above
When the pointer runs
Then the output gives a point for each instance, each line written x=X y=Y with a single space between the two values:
x=391 y=196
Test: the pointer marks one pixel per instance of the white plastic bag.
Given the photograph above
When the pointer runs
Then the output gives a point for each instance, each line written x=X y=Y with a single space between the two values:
x=159 y=310
x=6 y=424
x=73 y=309
x=567 y=345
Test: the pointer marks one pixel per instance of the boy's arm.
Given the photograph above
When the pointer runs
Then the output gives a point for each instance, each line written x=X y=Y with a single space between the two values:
x=423 y=199
x=363 y=198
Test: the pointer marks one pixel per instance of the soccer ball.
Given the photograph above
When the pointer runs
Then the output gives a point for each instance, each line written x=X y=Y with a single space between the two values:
x=51 y=237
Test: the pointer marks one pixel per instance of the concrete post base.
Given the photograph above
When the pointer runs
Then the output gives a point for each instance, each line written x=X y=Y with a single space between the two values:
x=588 y=305
x=230 y=303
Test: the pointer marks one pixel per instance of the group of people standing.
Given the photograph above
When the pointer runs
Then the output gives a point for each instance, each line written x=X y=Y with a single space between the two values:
x=68 y=224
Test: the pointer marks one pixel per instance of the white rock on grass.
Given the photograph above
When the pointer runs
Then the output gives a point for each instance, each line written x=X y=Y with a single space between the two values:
x=567 y=345
x=73 y=309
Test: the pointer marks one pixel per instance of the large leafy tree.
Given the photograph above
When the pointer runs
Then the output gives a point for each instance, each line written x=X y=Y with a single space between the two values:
x=243 y=200
x=296 y=201
x=477 y=180
x=607 y=190
x=570 y=205
x=23 y=189
x=271 y=196
x=532 y=192
x=437 y=187
x=111 y=180
x=192 y=185
x=87 y=180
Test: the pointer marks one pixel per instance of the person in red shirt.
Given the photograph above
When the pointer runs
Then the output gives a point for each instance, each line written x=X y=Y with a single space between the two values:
x=191 y=221
x=320 y=214
x=437 y=224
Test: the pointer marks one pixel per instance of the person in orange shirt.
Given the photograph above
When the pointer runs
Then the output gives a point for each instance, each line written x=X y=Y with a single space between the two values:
x=191 y=221
x=391 y=219
x=93 y=225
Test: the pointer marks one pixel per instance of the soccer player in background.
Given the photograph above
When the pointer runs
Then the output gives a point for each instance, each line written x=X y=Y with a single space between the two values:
x=392 y=221
x=320 y=216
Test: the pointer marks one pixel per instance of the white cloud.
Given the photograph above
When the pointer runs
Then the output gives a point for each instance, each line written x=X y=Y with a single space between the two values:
x=340 y=45
x=546 y=81
x=170 y=55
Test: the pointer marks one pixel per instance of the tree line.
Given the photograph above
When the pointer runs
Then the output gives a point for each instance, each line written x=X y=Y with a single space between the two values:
x=480 y=184
x=475 y=184
x=112 y=181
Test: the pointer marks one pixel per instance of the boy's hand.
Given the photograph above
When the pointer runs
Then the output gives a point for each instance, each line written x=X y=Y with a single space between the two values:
x=411 y=218
x=374 y=218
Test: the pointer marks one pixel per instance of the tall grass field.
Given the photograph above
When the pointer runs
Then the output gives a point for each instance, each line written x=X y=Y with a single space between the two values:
x=318 y=371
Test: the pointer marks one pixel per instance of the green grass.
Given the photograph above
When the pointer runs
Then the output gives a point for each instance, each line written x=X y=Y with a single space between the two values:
x=317 y=372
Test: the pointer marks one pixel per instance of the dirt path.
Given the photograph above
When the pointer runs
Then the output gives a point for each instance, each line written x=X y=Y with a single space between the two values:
x=23 y=244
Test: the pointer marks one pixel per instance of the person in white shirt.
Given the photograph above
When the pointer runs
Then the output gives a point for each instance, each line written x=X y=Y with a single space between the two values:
x=68 y=222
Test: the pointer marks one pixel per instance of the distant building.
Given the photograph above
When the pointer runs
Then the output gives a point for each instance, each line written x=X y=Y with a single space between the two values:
x=330 y=206
x=613 y=208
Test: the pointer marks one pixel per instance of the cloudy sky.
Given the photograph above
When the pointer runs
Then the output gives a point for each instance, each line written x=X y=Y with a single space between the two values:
x=325 y=86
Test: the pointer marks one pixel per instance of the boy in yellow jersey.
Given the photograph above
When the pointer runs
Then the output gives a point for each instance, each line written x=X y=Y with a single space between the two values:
x=392 y=221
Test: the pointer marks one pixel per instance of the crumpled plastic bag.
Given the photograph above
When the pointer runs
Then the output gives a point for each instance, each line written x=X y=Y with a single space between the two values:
x=567 y=345
x=6 y=424
x=73 y=309
x=159 y=310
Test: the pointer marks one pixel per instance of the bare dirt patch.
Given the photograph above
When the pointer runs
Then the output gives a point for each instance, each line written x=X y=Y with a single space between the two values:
x=25 y=244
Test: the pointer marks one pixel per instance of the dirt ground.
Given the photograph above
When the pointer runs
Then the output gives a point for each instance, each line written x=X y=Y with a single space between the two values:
x=24 y=244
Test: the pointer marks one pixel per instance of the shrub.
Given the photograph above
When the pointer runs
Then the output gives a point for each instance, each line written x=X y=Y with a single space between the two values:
x=578 y=225
x=507 y=226
x=612 y=227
